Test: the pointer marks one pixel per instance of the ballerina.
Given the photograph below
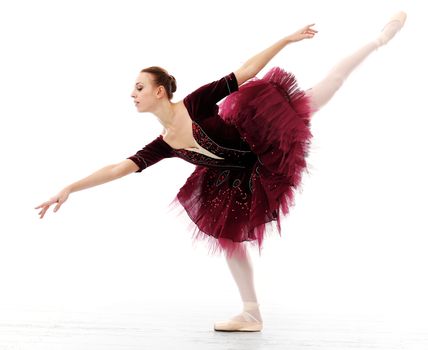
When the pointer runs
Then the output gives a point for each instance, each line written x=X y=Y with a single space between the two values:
x=249 y=152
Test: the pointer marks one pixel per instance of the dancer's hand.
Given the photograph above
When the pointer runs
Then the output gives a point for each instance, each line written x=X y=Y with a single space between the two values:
x=60 y=198
x=304 y=33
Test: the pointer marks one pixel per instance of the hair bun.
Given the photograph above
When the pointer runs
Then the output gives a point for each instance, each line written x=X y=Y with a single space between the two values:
x=173 y=83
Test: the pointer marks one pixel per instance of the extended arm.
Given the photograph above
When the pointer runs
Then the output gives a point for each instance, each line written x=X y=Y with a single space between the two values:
x=103 y=175
x=151 y=153
x=256 y=63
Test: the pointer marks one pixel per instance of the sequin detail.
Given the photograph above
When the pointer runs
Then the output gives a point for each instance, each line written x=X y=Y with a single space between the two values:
x=222 y=177
x=255 y=174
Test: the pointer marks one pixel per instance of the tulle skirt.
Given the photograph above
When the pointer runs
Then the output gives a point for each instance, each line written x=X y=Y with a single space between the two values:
x=231 y=206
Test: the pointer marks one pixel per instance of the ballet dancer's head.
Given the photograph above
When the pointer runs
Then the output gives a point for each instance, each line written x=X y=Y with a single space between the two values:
x=153 y=86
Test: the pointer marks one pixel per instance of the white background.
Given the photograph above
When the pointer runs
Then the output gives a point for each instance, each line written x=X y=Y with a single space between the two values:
x=356 y=240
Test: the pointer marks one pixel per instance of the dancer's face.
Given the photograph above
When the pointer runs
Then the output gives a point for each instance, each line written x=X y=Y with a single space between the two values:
x=145 y=94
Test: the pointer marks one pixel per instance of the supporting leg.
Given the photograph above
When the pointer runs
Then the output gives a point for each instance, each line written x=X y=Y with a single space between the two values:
x=250 y=318
x=242 y=272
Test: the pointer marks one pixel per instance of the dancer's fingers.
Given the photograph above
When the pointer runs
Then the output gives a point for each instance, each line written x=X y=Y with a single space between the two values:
x=57 y=207
x=42 y=212
x=309 y=29
x=313 y=31
x=41 y=205
x=45 y=209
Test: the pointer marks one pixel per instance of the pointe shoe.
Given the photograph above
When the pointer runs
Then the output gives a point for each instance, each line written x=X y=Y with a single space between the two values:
x=251 y=324
x=399 y=17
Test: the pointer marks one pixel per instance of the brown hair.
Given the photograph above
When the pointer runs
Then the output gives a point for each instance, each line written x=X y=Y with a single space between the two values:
x=162 y=77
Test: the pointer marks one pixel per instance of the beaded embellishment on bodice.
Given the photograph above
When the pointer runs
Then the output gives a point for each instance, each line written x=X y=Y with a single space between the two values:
x=200 y=148
x=230 y=157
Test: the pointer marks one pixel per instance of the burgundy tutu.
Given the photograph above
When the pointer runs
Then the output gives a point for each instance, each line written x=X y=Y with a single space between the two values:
x=230 y=206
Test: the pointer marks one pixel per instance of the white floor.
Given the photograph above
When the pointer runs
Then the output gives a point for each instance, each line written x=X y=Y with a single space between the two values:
x=186 y=327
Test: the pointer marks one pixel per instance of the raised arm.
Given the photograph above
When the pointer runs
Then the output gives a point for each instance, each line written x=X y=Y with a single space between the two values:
x=103 y=175
x=256 y=63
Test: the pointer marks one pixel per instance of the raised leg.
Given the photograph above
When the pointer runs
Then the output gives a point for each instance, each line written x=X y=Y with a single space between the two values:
x=322 y=92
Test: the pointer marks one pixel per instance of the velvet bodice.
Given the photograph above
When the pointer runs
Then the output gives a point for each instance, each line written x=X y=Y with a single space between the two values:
x=210 y=131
